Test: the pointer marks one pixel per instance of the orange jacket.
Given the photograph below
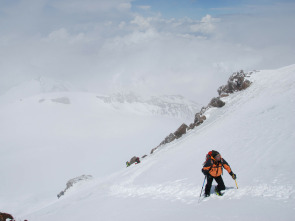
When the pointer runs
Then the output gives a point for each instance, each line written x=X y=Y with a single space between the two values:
x=214 y=168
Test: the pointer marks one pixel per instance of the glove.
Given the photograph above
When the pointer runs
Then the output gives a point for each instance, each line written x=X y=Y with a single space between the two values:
x=205 y=172
x=234 y=176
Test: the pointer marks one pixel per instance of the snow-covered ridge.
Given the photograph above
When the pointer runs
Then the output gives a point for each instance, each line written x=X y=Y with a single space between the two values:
x=174 y=106
x=74 y=181
x=34 y=87
x=168 y=105
x=237 y=82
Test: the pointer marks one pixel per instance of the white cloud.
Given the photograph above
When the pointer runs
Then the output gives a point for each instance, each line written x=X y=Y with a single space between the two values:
x=103 y=44
x=209 y=19
x=77 y=6
x=142 y=22
x=62 y=35
x=144 y=7
x=122 y=24
x=205 y=26
x=125 y=6
x=59 y=34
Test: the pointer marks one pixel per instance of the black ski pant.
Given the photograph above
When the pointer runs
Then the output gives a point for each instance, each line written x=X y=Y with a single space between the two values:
x=218 y=180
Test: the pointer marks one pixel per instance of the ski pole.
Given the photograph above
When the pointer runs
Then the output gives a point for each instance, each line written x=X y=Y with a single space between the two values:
x=236 y=184
x=202 y=188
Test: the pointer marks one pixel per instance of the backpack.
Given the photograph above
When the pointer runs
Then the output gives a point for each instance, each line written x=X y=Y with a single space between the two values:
x=213 y=154
x=210 y=154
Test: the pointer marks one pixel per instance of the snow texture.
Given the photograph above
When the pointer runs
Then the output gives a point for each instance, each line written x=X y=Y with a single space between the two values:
x=254 y=132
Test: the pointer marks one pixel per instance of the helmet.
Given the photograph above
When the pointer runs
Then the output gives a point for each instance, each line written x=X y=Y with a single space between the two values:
x=217 y=157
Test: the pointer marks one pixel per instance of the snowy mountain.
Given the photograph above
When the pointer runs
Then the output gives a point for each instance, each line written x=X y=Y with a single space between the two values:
x=34 y=87
x=53 y=132
x=254 y=132
x=174 y=106
x=167 y=105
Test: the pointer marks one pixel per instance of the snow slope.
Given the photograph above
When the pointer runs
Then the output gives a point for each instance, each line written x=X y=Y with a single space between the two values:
x=49 y=138
x=254 y=132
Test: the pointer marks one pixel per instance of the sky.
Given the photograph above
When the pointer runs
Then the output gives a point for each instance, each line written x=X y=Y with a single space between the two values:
x=153 y=47
x=197 y=9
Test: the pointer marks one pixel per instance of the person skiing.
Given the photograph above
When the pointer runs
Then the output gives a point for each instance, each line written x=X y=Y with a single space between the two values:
x=213 y=169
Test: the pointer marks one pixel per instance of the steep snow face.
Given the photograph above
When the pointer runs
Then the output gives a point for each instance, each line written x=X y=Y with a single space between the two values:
x=254 y=132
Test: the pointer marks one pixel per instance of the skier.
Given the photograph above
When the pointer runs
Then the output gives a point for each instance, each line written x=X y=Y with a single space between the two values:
x=213 y=169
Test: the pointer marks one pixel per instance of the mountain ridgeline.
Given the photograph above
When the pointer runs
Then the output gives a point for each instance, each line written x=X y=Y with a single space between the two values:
x=237 y=81
x=175 y=106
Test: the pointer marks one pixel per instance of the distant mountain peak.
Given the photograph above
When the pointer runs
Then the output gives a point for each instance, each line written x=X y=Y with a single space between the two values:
x=165 y=105
x=48 y=85
x=36 y=86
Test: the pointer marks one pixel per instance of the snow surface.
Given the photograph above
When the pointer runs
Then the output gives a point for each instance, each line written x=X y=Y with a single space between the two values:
x=254 y=132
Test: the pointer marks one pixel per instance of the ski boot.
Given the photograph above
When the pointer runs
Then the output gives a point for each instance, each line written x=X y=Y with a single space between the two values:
x=218 y=192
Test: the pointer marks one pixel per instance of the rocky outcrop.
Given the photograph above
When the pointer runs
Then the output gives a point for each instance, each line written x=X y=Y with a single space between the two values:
x=171 y=137
x=168 y=139
x=180 y=131
x=216 y=102
x=236 y=82
x=5 y=216
x=245 y=84
x=61 y=100
x=72 y=182
x=134 y=160
x=199 y=119
x=154 y=149
x=191 y=126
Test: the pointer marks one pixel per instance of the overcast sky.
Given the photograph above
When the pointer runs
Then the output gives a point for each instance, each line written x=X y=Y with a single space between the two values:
x=186 y=47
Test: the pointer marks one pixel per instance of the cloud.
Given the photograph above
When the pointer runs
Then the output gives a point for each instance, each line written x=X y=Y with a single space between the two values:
x=144 y=7
x=206 y=25
x=143 y=23
x=63 y=35
x=90 y=6
x=103 y=45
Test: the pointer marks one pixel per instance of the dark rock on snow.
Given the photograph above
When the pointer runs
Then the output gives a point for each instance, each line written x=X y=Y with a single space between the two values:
x=180 y=131
x=216 y=102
